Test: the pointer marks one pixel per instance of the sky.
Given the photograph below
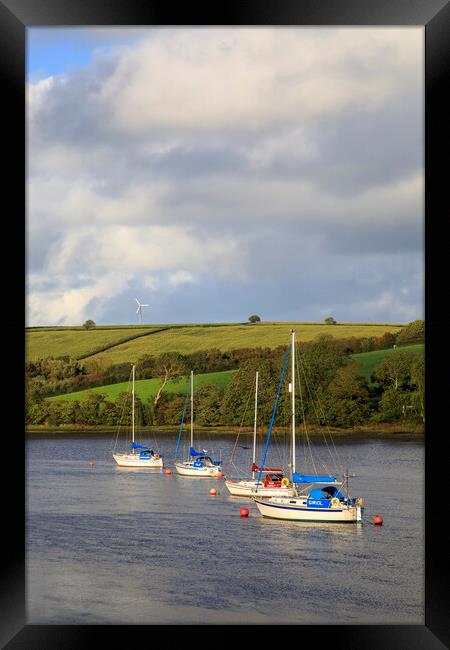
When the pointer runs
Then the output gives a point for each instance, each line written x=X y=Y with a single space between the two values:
x=215 y=173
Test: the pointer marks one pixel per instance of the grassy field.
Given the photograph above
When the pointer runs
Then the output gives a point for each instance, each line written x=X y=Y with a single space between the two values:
x=56 y=342
x=146 y=388
x=74 y=342
x=368 y=360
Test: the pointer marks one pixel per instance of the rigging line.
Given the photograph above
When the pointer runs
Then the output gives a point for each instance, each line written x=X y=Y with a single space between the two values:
x=280 y=456
x=313 y=402
x=308 y=442
x=337 y=460
x=182 y=421
x=240 y=428
x=307 y=439
x=303 y=412
x=123 y=411
x=238 y=471
x=308 y=385
x=273 y=413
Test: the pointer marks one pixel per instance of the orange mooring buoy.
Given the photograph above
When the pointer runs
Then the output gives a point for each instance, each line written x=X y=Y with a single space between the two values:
x=213 y=492
x=244 y=512
x=377 y=520
x=168 y=471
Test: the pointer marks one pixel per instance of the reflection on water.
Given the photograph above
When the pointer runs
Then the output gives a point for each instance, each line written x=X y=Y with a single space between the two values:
x=107 y=544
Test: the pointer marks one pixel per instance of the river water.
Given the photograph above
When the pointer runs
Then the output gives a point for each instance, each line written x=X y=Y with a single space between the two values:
x=110 y=545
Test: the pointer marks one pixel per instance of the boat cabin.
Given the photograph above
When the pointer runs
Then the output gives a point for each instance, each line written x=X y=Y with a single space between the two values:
x=201 y=461
x=327 y=492
x=147 y=453
x=273 y=480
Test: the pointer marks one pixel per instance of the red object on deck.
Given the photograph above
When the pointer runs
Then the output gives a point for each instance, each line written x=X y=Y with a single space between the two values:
x=219 y=474
x=377 y=520
x=168 y=471
x=244 y=512
x=264 y=469
x=273 y=480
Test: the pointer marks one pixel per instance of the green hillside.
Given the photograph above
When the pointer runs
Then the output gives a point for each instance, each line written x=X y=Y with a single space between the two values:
x=367 y=361
x=77 y=342
x=127 y=344
x=146 y=388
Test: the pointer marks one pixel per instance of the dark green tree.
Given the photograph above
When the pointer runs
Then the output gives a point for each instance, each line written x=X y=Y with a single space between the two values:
x=395 y=370
x=318 y=362
x=394 y=405
x=418 y=381
x=168 y=409
x=347 y=398
x=412 y=333
x=91 y=407
x=88 y=324
x=239 y=394
x=208 y=400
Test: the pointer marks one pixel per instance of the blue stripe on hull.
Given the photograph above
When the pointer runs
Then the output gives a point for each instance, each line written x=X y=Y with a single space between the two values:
x=318 y=521
x=272 y=505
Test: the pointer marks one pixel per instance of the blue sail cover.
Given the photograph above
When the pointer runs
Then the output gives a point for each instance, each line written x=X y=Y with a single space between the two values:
x=197 y=453
x=304 y=478
x=326 y=493
x=134 y=445
x=203 y=455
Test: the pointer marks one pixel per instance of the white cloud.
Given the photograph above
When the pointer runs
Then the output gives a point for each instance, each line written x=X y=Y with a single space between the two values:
x=181 y=277
x=388 y=302
x=207 y=153
x=144 y=249
x=252 y=77
x=65 y=305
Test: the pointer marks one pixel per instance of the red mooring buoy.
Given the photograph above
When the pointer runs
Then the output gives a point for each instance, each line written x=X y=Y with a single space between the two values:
x=168 y=471
x=377 y=520
x=244 y=512
x=213 y=492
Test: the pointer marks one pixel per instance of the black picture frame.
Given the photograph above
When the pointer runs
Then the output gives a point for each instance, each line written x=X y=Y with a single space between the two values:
x=15 y=17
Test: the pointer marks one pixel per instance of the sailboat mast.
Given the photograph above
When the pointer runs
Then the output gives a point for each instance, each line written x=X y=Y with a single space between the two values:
x=255 y=423
x=293 y=401
x=132 y=410
x=192 y=408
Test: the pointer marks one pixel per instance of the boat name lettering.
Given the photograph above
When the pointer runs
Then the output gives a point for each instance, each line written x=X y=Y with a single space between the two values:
x=318 y=503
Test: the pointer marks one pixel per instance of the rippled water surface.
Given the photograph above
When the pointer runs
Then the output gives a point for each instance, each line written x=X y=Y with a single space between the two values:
x=116 y=546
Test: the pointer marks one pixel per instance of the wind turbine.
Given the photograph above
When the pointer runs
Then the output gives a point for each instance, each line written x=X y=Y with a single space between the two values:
x=139 y=309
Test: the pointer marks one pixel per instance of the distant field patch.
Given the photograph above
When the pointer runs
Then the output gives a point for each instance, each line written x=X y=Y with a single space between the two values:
x=146 y=388
x=367 y=361
x=53 y=342
x=228 y=337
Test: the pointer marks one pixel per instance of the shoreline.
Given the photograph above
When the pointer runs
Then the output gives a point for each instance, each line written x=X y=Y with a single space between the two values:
x=368 y=430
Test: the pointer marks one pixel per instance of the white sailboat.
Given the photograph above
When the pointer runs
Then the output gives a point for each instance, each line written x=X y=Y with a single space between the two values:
x=140 y=455
x=319 y=500
x=274 y=483
x=198 y=464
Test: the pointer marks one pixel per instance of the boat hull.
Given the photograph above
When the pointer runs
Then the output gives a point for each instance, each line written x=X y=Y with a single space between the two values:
x=133 y=460
x=187 y=469
x=248 y=489
x=297 y=510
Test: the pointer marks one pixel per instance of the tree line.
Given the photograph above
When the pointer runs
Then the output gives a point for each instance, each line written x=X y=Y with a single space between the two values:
x=58 y=376
x=330 y=389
